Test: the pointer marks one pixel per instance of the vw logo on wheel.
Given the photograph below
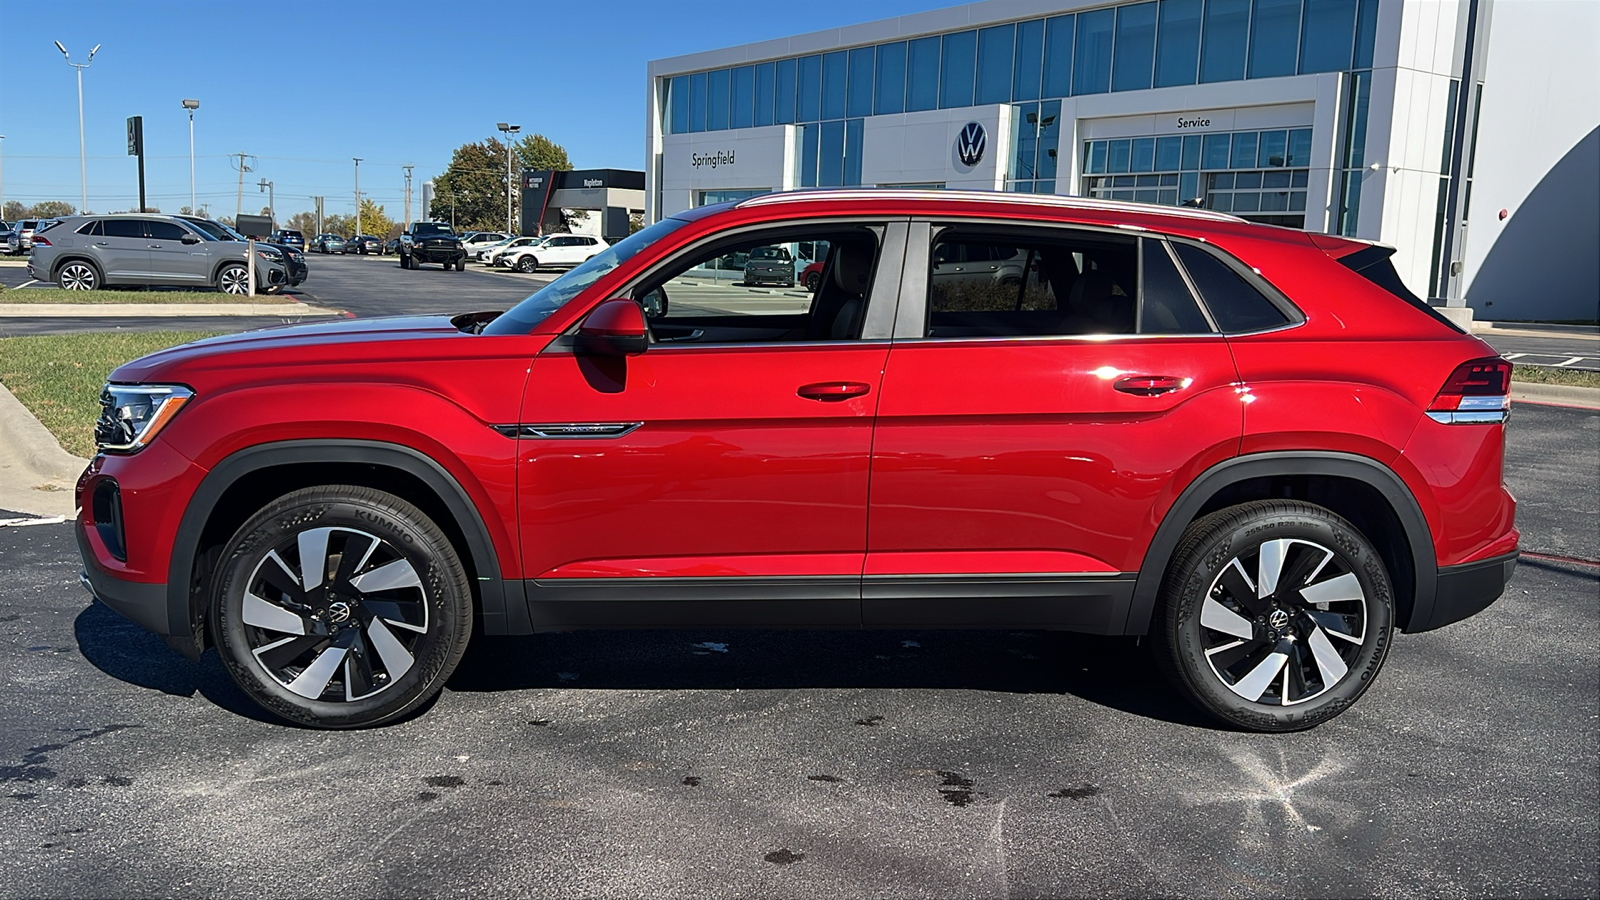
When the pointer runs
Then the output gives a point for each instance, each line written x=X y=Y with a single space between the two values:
x=970 y=143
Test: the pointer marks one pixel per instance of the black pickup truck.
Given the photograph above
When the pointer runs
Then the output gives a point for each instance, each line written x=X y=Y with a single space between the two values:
x=431 y=242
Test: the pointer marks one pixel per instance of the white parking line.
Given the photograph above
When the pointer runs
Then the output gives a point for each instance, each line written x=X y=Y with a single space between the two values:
x=1575 y=359
x=29 y=283
x=1514 y=355
x=18 y=523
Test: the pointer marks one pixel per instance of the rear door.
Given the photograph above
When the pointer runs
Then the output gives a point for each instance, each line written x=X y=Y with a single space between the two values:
x=122 y=249
x=1030 y=434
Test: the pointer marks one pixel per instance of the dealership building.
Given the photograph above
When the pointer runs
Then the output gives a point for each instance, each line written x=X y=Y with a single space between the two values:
x=1465 y=133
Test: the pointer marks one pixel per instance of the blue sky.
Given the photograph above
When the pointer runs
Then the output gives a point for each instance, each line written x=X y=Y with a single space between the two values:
x=305 y=87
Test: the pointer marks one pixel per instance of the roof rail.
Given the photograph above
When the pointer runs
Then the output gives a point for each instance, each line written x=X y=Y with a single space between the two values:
x=1054 y=201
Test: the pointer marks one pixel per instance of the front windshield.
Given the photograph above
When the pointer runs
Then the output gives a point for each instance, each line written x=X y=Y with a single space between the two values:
x=521 y=318
x=215 y=230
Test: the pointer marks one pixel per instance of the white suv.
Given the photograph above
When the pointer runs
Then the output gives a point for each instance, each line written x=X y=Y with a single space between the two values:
x=495 y=254
x=479 y=240
x=557 y=251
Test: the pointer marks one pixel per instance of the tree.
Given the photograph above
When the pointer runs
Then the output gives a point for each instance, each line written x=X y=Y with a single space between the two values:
x=13 y=211
x=373 y=221
x=340 y=224
x=540 y=153
x=204 y=213
x=475 y=185
x=303 y=222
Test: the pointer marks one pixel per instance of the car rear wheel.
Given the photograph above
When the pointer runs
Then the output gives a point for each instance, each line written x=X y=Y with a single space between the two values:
x=527 y=264
x=461 y=264
x=341 y=606
x=813 y=281
x=78 y=276
x=234 y=279
x=1274 y=615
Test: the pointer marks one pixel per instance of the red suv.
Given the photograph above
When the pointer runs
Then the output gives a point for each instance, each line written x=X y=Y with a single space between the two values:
x=1251 y=444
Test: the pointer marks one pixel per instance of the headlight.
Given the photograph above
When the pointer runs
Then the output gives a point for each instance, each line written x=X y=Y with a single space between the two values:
x=268 y=254
x=131 y=415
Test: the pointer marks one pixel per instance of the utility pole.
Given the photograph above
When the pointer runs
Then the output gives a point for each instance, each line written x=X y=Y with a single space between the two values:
x=319 y=213
x=83 y=161
x=245 y=164
x=272 y=200
x=358 y=194
x=408 y=167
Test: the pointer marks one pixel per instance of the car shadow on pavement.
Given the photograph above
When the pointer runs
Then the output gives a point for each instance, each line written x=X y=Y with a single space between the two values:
x=128 y=653
x=1112 y=672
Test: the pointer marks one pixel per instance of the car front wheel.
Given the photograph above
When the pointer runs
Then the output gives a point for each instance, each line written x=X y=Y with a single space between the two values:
x=341 y=607
x=527 y=264
x=234 y=279
x=1275 y=615
x=813 y=281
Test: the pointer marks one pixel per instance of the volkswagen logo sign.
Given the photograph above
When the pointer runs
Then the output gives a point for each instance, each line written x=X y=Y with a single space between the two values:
x=970 y=143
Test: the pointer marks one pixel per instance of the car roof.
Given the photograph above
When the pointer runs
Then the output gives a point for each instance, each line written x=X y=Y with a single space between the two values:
x=995 y=198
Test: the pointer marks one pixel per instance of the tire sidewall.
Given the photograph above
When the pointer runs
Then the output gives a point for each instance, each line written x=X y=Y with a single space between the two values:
x=1205 y=562
x=403 y=527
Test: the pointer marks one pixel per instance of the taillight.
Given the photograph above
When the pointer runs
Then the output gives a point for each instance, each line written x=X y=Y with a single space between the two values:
x=40 y=241
x=1477 y=392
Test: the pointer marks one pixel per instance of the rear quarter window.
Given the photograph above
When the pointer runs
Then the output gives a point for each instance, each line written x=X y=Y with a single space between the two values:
x=1234 y=303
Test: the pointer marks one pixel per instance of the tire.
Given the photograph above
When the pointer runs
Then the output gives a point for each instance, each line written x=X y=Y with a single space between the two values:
x=377 y=645
x=461 y=264
x=1286 y=661
x=813 y=281
x=234 y=278
x=527 y=264
x=405 y=261
x=78 y=275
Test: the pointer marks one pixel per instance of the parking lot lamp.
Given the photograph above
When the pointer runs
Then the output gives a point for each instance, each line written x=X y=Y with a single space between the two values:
x=83 y=163
x=191 y=106
x=358 y=194
x=508 y=130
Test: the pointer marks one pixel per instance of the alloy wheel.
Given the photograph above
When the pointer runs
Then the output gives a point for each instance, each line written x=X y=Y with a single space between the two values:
x=235 y=280
x=1284 y=622
x=335 y=614
x=79 y=277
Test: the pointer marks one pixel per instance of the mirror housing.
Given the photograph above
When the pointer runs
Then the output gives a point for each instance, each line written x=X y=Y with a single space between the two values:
x=190 y=239
x=614 y=328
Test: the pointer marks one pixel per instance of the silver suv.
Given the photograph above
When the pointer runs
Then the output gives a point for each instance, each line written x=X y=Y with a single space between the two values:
x=20 y=237
x=83 y=253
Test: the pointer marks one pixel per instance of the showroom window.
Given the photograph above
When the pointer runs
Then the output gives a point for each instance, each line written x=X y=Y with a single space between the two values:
x=1035 y=137
x=1259 y=175
x=1128 y=47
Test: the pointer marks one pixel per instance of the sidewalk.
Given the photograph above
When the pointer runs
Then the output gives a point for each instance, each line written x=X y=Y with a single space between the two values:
x=176 y=310
x=37 y=477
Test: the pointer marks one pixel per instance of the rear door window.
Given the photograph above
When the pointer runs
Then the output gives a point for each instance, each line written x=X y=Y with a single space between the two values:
x=1236 y=304
x=124 y=228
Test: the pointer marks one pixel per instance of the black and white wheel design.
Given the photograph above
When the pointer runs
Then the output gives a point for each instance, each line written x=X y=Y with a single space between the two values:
x=234 y=279
x=78 y=276
x=813 y=281
x=527 y=264
x=1277 y=615
x=339 y=607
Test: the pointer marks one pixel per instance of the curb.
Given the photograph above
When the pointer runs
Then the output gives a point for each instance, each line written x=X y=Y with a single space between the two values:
x=24 y=439
x=1559 y=394
x=173 y=310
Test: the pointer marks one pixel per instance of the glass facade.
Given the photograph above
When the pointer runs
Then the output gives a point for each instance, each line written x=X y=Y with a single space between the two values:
x=1132 y=46
x=1258 y=175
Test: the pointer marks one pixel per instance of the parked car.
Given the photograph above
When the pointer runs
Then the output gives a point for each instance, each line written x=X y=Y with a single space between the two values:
x=431 y=242
x=482 y=253
x=20 y=240
x=474 y=241
x=1249 y=444
x=294 y=260
x=84 y=253
x=329 y=243
x=811 y=276
x=770 y=264
x=392 y=245
x=556 y=251
x=288 y=237
x=495 y=254
x=5 y=236
x=364 y=244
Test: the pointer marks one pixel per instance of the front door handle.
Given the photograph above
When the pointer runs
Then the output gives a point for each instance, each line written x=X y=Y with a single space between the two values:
x=1150 y=385
x=833 y=391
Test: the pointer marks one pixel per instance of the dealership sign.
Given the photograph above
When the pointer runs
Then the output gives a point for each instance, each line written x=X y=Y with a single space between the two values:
x=970 y=144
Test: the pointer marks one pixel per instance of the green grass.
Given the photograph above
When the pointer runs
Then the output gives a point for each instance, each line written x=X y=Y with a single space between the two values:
x=53 y=295
x=58 y=376
x=1551 y=375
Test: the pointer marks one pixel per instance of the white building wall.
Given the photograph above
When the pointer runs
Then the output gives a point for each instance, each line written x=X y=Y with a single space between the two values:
x=920 y=147
x=1538 y=158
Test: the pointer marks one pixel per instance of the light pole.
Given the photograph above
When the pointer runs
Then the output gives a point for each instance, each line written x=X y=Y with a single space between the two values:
x=83 y=161
x=2 y=175
x=358 y=194
x=508 y=130
x=191 y=106
x=272 y=200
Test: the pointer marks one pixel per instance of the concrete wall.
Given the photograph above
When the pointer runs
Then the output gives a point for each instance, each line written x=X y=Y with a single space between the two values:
x=1538 y=158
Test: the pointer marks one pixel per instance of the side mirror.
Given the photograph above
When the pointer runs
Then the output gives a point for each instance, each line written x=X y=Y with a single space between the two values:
x=655 y=303
x=614 y=328
x=191 y=239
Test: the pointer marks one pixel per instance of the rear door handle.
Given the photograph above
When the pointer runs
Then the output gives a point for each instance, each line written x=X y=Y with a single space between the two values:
x=833 y=391
x=1150 y=385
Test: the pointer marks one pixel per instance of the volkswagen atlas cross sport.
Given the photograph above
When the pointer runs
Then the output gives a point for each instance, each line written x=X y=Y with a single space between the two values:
x=1249 y=443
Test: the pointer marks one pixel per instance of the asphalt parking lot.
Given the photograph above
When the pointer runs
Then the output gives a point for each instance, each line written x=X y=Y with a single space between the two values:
x=820 y=764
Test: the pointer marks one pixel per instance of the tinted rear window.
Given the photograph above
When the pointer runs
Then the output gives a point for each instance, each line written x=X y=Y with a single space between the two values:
x=124 y=228
x=1234 y=303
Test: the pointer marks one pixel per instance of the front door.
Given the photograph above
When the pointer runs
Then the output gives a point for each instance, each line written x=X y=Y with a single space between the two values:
x=174 y=262
x=721 y=476
x=1029 y=431
x=121 y=249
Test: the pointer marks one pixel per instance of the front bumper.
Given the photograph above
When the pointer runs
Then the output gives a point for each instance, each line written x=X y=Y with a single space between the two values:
x=144 y=604
x=439 y=254
x=1466 y=590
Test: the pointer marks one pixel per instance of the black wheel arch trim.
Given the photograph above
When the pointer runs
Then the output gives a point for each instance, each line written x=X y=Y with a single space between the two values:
x=1364 y=469
x=185 y=613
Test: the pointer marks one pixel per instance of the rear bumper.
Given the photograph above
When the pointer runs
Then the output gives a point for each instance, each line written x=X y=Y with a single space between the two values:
x=1466 y=590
